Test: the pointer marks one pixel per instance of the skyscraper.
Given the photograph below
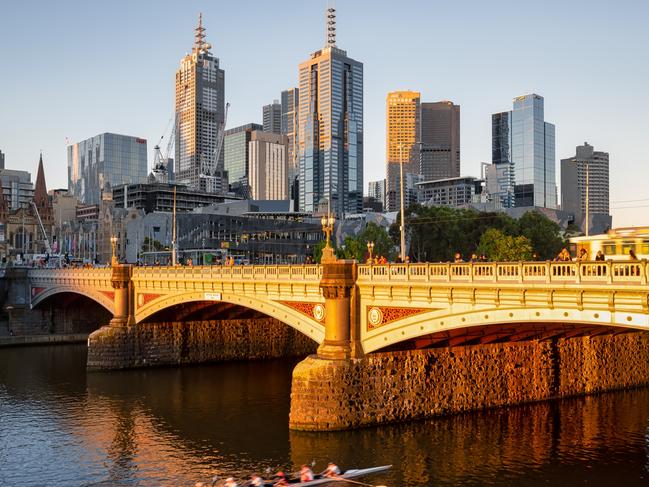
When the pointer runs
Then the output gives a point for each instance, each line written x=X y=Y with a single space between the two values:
x=267 y=167
x=2 y=160
x=330 y=134
x=439 y=152
x=237 y=156
x=403 y=133
x=272 y=117
x=524 y=141
x=376 y=190
x=573 y=188
x=200 y=113
x=102 y=162
x=289 y=123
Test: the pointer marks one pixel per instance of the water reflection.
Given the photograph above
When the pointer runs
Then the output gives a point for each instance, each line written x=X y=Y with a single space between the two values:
x=173 y=426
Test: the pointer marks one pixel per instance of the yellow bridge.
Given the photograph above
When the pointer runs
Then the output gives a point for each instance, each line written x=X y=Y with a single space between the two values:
x=352 y=310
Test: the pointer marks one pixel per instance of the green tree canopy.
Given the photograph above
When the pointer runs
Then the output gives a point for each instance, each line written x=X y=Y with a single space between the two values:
x=543 y=234
x=355 y=247
x=500 y=247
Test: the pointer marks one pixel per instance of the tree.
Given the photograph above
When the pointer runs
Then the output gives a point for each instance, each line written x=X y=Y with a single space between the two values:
x=437 y=233
x=355 y=247
x=149 y=244
x=543 y=234
x=504 y=248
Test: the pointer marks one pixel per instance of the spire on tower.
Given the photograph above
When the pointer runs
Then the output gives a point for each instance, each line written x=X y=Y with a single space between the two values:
x=331 y=26
x=199 y=36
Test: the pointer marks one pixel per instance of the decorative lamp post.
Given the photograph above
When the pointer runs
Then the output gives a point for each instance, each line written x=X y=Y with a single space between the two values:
x=113 y=244
x=403 y=220
x=328 y=227
x=370 y=249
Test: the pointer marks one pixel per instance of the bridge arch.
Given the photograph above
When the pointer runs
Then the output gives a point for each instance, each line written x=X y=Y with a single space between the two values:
x=287 y=315
x=103 y=299
x=500 y=324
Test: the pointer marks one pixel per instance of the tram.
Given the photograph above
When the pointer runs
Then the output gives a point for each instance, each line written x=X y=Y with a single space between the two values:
x=616 y=243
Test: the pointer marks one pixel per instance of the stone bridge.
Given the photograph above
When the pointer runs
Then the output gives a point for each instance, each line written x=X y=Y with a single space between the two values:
x=394 y=342
x=418 y=305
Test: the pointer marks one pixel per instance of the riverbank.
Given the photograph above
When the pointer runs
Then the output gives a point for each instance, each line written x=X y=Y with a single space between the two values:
x=14 y=341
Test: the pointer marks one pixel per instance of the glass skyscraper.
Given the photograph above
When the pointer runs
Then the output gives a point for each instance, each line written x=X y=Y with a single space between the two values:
x=524 y=141
x=102 y=162
x=330 y=129
x=236 y=156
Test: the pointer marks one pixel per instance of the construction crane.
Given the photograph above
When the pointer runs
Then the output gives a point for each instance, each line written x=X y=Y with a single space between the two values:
x=160 y=161
x=212 y=175
x=46 y=240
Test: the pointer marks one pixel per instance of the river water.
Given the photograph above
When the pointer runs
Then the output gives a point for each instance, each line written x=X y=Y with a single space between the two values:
x=60 y=425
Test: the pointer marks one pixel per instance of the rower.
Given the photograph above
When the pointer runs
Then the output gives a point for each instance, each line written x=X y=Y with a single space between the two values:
x=256 y=481
x=230 y=482
x=306 y=474
x=332 y=470
x=281 y=480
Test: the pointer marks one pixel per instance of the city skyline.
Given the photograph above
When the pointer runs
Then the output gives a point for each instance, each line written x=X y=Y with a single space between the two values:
x=605 y=110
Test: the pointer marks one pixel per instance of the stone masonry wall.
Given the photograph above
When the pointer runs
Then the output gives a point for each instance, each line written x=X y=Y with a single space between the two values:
x=397 y=386
x=153 y=344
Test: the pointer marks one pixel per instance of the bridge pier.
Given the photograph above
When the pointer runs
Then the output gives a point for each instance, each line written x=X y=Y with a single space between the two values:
x=387 y=387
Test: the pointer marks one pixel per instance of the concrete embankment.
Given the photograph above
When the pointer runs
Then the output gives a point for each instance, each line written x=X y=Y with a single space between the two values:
x=396 y=386
x=8 y=341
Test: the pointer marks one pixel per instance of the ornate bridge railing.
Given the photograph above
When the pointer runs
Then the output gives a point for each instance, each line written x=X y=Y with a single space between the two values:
x=238 y=273
x=98 y=277
x=607 y=272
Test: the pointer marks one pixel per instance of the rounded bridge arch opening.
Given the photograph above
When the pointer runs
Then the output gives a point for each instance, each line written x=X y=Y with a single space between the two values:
x=70 y=312
x=503 y=333
x=204 y=311
x=221 y=330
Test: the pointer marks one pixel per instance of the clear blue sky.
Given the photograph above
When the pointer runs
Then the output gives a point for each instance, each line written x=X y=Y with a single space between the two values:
x=73 y=69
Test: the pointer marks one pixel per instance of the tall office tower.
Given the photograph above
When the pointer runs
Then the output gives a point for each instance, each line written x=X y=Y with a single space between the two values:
x=200 y=113
x=330 y=129
x=290 y=104
x=439 y=153
x=102 y=162
x=522 y=140
x=236 y=157
x=273 y=117
x=573 y=188
x=268 y=166
x=376 y=190
x=402 y=127
x=2 y=160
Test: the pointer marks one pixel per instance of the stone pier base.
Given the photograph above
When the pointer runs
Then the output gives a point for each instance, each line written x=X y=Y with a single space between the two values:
x=396 y=386
x=154 y=344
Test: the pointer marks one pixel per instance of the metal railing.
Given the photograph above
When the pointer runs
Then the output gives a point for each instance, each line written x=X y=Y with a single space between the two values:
x=634 y=272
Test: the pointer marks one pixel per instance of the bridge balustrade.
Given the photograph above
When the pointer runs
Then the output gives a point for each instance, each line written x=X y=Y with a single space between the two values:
x=532 y=272
x=268 y=272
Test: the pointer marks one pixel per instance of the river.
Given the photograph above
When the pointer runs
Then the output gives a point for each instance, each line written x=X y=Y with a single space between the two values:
x=60 y=425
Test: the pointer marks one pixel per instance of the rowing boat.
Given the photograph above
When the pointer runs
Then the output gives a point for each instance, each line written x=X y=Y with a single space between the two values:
x=348 y=474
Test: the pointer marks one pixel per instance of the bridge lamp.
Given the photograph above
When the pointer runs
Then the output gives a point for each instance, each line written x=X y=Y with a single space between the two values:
x=370 y=249
x=327 y=227
x=113 y=243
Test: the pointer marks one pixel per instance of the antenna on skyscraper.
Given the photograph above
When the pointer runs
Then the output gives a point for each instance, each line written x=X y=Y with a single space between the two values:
x=331 y=26
x=199 y=36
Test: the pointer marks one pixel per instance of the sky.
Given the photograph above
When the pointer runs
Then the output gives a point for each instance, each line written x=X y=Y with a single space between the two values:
x=70 y=70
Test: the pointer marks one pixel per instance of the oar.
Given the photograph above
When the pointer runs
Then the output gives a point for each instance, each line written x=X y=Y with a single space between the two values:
x=356 y=482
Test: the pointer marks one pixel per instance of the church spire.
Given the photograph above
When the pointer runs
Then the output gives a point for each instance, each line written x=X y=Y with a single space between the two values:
x=41 y=198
